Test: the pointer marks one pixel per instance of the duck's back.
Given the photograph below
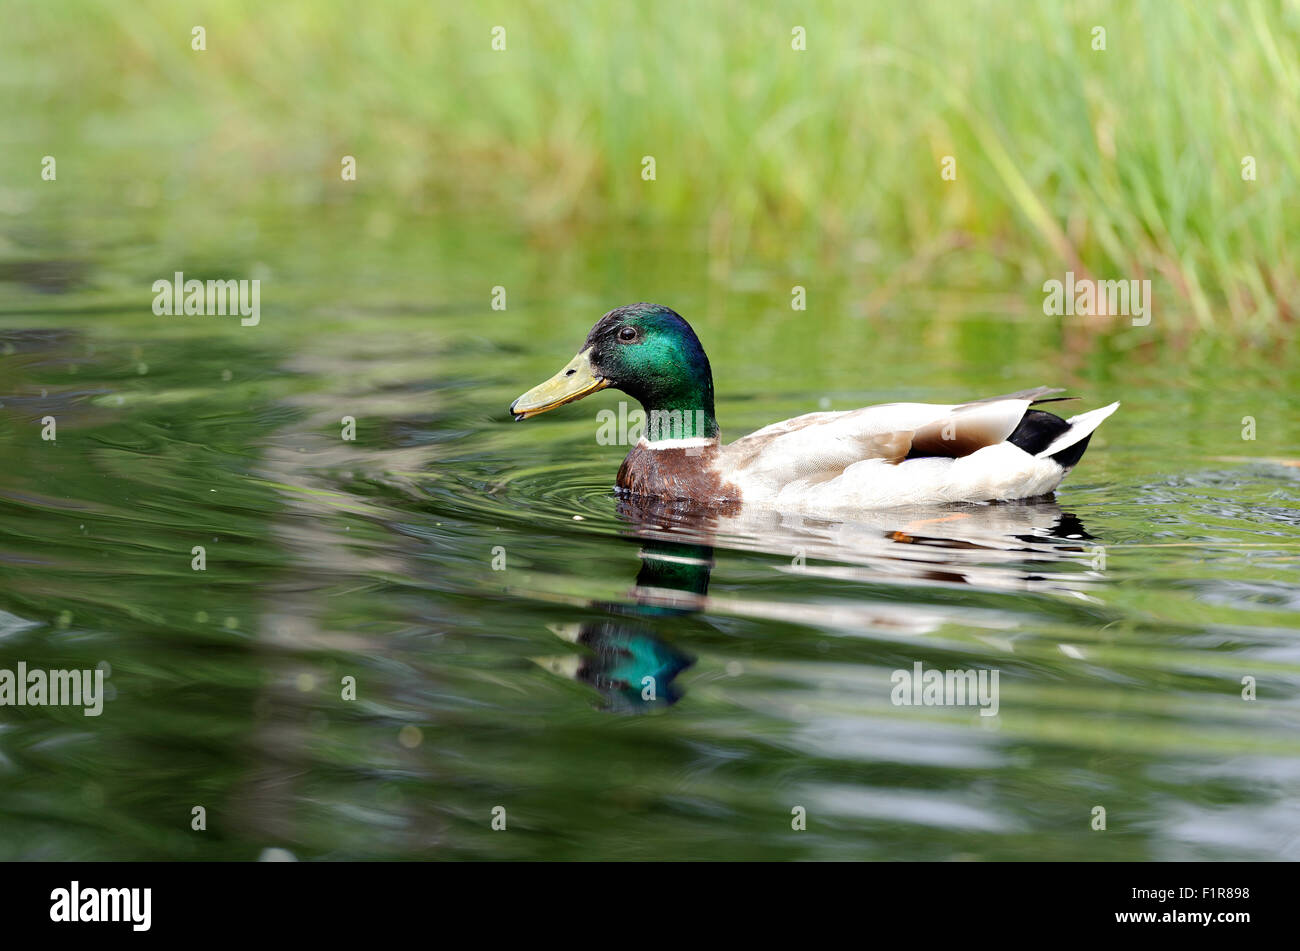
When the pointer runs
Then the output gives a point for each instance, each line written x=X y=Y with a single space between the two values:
x=906 y=454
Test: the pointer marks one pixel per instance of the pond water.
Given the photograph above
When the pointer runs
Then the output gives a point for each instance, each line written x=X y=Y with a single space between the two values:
x=498 y=608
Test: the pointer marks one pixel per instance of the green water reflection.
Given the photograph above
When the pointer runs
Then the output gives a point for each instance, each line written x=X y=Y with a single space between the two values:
x=1122 y=617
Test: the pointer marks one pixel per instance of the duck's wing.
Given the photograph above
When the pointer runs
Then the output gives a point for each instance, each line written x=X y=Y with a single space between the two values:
x=1035 y=394
x=820 y=446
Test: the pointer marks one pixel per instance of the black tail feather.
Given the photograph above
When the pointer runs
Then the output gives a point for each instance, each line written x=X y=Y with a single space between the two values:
x=1039 y=429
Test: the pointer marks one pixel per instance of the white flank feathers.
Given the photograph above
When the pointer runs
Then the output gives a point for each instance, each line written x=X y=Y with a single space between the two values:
x=850 y=461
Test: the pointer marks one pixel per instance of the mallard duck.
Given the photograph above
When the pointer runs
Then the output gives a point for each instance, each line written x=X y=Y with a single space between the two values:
x=991 y=449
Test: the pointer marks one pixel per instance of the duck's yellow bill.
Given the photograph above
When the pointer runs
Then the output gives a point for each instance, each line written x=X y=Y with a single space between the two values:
x=574 y=382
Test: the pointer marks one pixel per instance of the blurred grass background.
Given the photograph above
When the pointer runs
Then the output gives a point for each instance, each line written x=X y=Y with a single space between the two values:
x=1122 y=163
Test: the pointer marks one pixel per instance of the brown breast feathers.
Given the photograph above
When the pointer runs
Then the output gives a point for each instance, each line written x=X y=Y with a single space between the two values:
x=677 y=474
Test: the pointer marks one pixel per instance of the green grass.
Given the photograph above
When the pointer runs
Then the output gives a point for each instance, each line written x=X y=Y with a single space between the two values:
x=1123 y=163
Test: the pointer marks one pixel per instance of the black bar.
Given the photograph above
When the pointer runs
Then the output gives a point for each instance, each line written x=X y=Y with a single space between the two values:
x=330 y=900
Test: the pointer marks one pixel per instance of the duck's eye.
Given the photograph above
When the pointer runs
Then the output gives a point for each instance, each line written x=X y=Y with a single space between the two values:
x=627 y=333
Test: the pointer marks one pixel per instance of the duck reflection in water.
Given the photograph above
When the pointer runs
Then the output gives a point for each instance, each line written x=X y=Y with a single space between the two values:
x=629 y=662
x=1032 y=546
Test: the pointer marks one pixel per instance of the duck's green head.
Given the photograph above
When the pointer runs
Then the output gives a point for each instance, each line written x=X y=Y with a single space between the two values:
x=646 y=350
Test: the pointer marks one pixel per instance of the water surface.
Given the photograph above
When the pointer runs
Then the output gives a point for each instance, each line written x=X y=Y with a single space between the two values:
x=499 y=608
